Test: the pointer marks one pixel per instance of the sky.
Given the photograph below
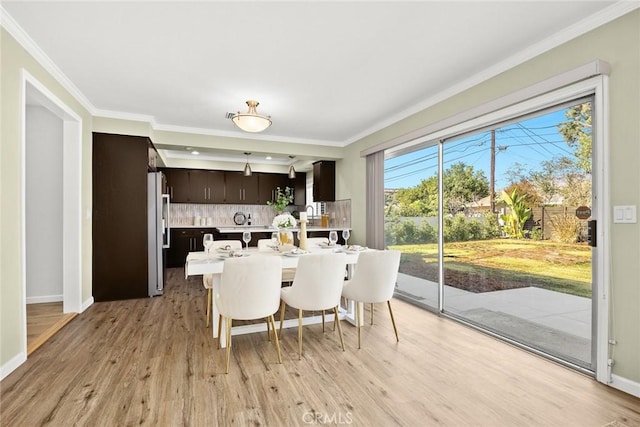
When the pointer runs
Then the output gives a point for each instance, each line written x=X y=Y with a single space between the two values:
x=528 y=142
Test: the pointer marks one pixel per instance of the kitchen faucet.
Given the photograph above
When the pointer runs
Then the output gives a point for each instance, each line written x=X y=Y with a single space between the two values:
x=313 y=214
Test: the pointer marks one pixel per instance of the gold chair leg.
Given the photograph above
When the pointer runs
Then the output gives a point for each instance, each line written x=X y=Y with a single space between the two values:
x=299 y=334
x=268 y=329
x=229 y=323
x=219 y=329
x=275 y=337
x=323 y=321
x=337 y=319
x=282 y=307
x=208 y=306
x=393 y=321
x=358 y=321
x=371 y=314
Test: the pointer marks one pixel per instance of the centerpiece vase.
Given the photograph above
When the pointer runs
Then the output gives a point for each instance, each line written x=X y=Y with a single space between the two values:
x=286 y=239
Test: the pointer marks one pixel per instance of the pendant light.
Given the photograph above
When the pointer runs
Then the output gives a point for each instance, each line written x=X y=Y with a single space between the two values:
x=247 y=167
x=292 y=171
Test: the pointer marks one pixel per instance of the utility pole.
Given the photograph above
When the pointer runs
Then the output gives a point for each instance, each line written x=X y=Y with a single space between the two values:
x=492 y=181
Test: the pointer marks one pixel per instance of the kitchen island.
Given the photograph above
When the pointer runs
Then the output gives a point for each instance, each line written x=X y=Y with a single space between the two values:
x=188 y=238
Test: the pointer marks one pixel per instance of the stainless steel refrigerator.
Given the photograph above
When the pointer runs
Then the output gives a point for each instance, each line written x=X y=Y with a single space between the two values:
x=158 y=232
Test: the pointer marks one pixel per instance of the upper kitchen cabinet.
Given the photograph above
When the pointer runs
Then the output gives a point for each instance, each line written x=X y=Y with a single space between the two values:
x=299 y=189
x=207 y=186
x=241 y=189
x=195 y=186
x=324 y=181
x=267 y=185
x=178 y=183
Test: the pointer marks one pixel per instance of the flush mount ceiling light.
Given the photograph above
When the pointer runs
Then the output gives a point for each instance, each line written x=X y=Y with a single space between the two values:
x=292 y=171
x=247 y=167
x=251 y=121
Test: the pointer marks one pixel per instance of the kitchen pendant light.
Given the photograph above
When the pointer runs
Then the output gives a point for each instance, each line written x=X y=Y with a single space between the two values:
x=251 y=121
x=247 y=167
x=292 y=171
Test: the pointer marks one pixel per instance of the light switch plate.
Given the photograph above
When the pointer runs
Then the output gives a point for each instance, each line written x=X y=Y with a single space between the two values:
x=624 y=214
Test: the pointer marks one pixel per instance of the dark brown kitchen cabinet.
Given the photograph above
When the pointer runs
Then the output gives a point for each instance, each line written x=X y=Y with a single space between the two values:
x=195 y=186
x=241 y=189
x=324 y=181
x=183 y=241
x=299 y=189
x=178 y=183
x=206 y=186
x=268 y=184
x=119 y=217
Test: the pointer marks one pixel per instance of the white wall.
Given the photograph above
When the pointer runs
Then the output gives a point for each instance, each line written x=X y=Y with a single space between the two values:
x=44 y=205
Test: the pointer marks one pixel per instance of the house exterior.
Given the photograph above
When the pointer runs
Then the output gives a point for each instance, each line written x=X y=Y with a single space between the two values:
x=616 y=42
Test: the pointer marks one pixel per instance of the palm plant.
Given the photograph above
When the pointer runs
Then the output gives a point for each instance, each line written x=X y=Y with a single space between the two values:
x=518 y=214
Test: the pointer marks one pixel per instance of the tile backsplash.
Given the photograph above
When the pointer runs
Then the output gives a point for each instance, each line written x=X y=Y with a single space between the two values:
x=187 y=214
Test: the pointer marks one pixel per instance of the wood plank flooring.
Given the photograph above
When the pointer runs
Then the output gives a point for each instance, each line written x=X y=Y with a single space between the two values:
x=43 y=321
x=152 y=362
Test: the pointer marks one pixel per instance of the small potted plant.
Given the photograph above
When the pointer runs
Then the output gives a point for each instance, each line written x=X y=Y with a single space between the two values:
x=283 y=199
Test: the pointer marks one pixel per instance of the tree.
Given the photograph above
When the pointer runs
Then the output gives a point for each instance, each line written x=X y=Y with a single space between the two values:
x=463 y=185
x=421 y=200
x=577 y=132
x=527 y=189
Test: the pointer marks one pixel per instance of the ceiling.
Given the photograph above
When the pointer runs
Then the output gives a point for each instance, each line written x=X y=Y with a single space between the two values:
x=327 y=72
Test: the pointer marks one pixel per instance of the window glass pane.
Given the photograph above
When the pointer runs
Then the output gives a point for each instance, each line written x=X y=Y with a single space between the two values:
x=411 y=222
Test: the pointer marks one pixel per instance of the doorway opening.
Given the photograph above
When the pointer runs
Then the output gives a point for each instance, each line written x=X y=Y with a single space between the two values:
x=51 y=213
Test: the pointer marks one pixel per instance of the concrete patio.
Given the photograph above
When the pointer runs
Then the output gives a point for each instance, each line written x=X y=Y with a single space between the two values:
x=552 y=321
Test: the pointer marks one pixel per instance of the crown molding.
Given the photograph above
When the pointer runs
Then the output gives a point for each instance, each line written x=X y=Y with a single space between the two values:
x=592 y=22
x=16 y=31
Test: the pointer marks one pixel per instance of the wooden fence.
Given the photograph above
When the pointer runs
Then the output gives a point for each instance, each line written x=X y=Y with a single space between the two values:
x=543 y=217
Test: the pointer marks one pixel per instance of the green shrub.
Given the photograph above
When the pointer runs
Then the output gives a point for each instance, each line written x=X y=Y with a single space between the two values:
x=407 y=232
x=456 y=229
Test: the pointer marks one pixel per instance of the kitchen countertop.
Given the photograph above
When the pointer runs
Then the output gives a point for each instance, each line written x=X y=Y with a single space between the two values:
x=256 y=228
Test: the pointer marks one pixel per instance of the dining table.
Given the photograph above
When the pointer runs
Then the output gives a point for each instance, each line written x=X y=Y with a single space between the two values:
x=201 y=263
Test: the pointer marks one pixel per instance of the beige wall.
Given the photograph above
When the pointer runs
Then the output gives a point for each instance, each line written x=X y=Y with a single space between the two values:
x=617 y=43
x=14 y=58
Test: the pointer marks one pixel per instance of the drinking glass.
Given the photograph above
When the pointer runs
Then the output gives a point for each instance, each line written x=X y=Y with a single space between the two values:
x=333 y=237
x=275 y=240
x=207 y=242
x=246 y=238
x=345 y=235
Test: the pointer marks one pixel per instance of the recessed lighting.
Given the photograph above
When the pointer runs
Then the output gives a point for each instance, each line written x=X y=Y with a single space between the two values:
x=188 y=148
x=195 y=153
x=268 y=157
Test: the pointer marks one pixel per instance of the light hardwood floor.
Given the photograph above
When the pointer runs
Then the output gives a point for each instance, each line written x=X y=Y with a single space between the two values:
x=152 y=362
x=43 y=321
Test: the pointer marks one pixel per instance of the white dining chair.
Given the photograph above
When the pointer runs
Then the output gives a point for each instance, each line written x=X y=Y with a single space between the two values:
x=249 y=289
x=373 y=282
x=265 y=245
x=207 y=279
x=317 y=285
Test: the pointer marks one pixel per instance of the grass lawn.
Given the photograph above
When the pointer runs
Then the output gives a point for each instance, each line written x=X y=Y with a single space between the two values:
x=489 y=265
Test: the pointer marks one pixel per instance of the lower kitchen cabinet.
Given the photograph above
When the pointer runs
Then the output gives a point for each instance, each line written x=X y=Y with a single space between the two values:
x=183 y=241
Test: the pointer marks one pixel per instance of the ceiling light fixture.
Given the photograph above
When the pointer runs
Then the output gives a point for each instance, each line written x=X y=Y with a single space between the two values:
x=292 y=171
x=195 y=153
x=247 y=168
x=251 y=121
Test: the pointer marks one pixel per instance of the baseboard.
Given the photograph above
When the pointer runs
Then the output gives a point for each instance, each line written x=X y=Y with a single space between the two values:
x=44 y=298
x=86 y=304
x=12 y=364
x=625 y=385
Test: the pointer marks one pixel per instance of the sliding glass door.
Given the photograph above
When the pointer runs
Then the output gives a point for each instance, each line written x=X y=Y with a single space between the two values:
x=515 y=200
